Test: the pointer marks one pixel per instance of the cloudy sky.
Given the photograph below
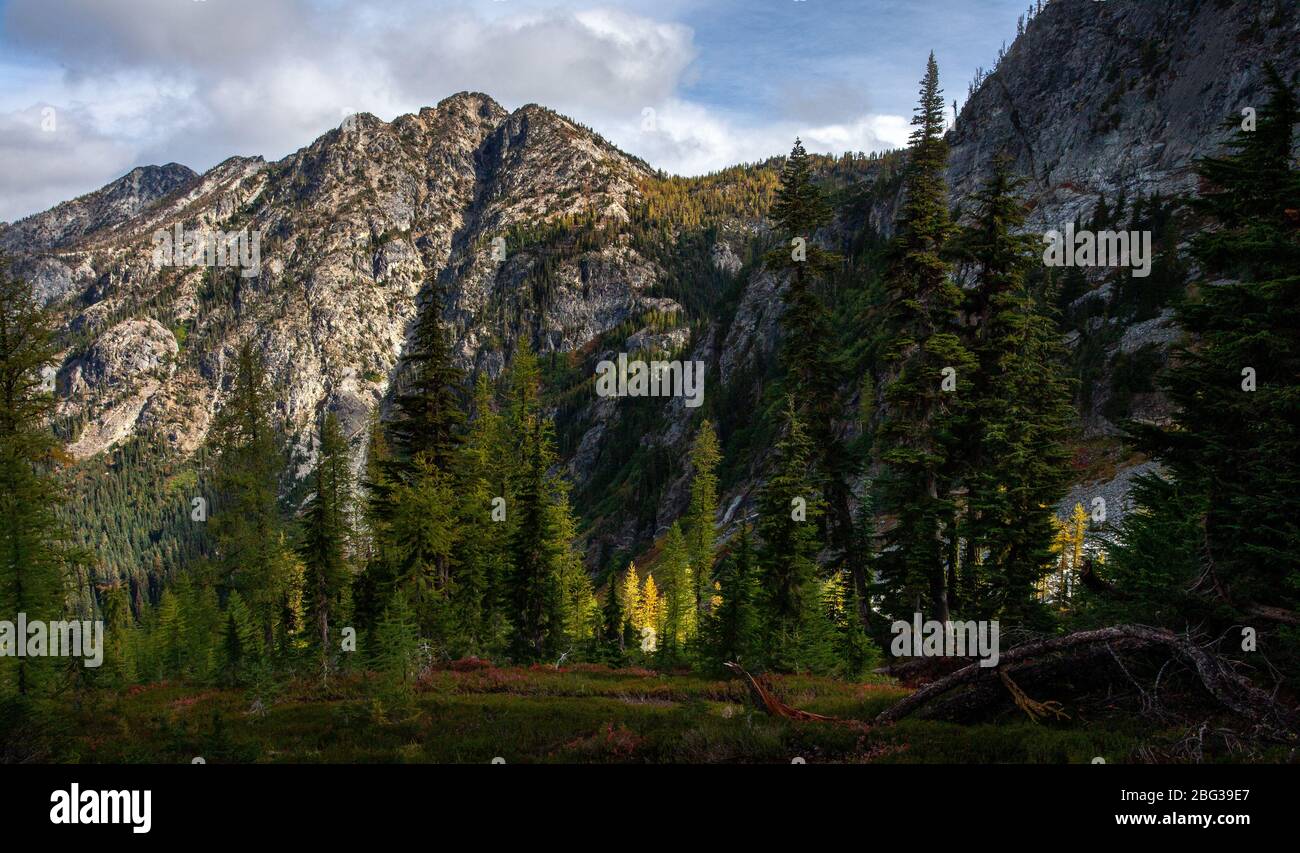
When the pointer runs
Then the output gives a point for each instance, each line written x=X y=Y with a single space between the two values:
x=92 y=88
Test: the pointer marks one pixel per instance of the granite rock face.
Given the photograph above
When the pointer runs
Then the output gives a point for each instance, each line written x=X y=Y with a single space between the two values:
x=349 y=232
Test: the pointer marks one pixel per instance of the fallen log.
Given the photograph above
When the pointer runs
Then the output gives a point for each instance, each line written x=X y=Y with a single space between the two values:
x=1230 y=689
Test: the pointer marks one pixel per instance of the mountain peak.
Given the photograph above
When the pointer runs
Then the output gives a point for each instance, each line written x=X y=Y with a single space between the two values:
x=106 y=207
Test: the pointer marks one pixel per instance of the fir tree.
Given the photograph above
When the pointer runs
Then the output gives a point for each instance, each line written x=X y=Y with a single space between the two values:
x=576 y=625
x=34 y=558
x=246 y=522
x=807 y=352
x=674 y=573
x=422 y=533
x=534 y=591
x=241 y=640
x=1016 y=464
x=327 y=534
x=915 y=441
x=733 y=628
x=1233 y=445
x=120 y=636
x=429 y=407
x=789 y=508
x=482 y=559
x=395 y=650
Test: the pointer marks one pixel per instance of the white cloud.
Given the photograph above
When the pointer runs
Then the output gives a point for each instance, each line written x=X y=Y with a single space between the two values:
x=688 y=139
x=153 y=81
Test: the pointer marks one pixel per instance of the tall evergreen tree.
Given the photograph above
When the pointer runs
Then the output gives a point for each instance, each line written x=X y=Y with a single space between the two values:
x=915 y=441
x=422 y=535
x=327 y=538
x=120 y=636
x=429 y=406
x=807 y=348
x=1235 y=439
x=246 y=523
x=1016 y=465
x=33 y=553
x=482 y=559
x=732 y=631
x=534 y=591
x=674 y=573
x=790 y=505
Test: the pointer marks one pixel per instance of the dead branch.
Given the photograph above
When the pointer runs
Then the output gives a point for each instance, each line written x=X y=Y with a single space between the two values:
x=765 y=699
x=1230 y=689
x=1035 y=709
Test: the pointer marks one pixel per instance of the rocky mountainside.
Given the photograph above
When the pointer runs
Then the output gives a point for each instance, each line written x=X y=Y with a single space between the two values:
x=535 y=227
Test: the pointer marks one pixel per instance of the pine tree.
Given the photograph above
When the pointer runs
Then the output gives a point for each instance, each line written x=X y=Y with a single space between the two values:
x=200 y=637
x=34 y=556
x=245 y=522
x=120 y=636
x=429 y=407
x=241 y=640
x=807 y=352
x=534 y=591
x=915 y=441
x=1016 y=464
x=422 y=534
x=425 y=435
x=612 y=620
x=327 y=534
x=576 y=625
x=395 y=649
x=733 y=628
x=169 y=636
x=789 y=508
x=1233 y=444
x=373 y=587
x=855 y=654
x=701 y=535
x=481 y=561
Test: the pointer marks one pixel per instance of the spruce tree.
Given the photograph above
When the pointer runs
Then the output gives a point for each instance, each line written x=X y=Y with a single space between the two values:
x=533 y=589
x=482 y=558
x=34 y=557
x=246 y=524
x=327 y=536
x=612 y=620
x=927 y=366
x=733 y=629
x=790 y=506
x=1233 y=444
x=422 y=535
x=813 y=372
x=429 y=406
x=674 y=574
x=120 y=636
x=575 y=628
x=1016 y=465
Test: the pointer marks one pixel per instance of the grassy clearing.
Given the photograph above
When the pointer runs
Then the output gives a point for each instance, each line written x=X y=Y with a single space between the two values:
x=579 y=714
